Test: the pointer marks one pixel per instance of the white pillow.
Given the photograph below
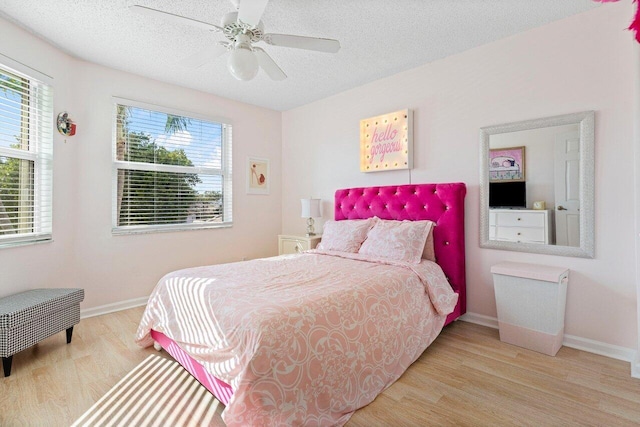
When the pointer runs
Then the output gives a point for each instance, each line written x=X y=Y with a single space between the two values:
x=397 y=240
x=346 y=235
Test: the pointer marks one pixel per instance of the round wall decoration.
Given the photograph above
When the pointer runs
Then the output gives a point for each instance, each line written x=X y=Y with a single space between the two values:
x=64 y=124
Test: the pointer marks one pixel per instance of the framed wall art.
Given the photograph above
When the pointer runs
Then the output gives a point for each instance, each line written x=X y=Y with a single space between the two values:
x=506 y=164
x=257 y=177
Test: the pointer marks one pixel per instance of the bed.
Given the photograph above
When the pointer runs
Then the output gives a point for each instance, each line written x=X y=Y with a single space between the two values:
x=307 y=339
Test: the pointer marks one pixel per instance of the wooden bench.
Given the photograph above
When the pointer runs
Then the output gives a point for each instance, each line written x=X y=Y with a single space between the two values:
x=29 y=317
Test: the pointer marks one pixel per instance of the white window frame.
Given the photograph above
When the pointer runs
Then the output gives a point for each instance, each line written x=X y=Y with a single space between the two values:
x=40 y=153
x=225 y=171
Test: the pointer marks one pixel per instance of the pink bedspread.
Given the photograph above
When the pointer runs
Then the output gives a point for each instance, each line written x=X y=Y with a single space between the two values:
x=302 y=339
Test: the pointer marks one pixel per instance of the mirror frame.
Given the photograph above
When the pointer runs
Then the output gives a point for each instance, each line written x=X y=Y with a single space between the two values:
x=587 y=183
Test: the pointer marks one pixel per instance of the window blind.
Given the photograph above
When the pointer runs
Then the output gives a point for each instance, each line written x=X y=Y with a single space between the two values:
x=171 y=170
x=26 y=158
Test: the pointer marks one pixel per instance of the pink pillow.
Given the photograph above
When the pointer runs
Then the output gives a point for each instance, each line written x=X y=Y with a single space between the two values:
x=429 y=251
x=397 y=240
x=346 y=235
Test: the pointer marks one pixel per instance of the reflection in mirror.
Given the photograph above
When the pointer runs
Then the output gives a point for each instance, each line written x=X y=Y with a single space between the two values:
x=537 y=185
x=551 y=182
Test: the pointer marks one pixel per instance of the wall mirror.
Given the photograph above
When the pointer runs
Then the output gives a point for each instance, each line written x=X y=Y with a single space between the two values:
x=537 y=186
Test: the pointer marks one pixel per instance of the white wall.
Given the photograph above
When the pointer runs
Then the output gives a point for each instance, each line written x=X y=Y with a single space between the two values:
x=581 y=63
x=84 y=253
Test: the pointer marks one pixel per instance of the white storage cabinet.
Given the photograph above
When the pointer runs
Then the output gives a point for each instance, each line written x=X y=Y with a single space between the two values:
x=531 y=301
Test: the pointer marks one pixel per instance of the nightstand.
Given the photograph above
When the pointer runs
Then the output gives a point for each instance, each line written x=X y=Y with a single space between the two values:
x=290 y=244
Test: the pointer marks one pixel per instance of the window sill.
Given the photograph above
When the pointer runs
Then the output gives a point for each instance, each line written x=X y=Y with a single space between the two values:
x=146 y=229
x=17 y=244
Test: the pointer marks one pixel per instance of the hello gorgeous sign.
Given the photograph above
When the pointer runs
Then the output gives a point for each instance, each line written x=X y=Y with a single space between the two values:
x=386 y=142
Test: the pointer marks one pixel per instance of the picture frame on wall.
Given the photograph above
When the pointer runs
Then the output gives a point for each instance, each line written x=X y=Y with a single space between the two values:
x=507 y=164
x=257 y=176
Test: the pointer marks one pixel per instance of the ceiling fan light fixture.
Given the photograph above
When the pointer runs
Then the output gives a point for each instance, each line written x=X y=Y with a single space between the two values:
x=242 y=28
x=242 y=62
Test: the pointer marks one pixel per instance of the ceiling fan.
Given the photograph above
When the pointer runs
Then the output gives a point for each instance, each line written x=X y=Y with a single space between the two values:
x=242 y=29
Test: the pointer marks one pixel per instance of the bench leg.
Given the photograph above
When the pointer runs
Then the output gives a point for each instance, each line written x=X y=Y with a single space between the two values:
x=69 y=333
x=6 y=365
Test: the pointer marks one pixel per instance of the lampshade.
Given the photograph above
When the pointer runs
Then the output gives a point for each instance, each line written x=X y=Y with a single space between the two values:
x=310 y=208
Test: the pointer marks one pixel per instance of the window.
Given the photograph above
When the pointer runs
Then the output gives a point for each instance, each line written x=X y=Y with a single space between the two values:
x=26 y=157
x=172 y=171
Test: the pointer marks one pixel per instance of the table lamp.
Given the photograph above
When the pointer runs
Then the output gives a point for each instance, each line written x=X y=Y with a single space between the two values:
x=310 y=210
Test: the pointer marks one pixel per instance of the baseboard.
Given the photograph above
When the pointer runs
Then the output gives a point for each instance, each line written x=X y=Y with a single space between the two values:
x=601 y=348
x=635 y=366
x=111 y=308
x=591 y=346
x=480 y=319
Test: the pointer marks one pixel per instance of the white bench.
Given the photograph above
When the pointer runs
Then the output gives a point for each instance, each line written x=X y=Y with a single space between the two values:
x=29 y=317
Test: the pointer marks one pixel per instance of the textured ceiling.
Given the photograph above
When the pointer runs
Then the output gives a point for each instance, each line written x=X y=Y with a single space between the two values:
x=378 y=38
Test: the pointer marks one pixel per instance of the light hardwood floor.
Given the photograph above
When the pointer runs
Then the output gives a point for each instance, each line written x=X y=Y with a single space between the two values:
x=467 y=377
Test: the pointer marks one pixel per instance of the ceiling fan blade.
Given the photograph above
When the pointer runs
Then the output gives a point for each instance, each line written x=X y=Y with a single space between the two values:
x=251 y=11
x=268 y=65
x=202 y=57
x=142 y=10
x=301 y=42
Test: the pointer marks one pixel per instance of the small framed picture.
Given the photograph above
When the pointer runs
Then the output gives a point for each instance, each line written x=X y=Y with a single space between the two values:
x=257 y=175
x=506 y=164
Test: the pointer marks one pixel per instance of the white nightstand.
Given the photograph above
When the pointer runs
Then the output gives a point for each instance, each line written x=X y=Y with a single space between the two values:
x=290 y=244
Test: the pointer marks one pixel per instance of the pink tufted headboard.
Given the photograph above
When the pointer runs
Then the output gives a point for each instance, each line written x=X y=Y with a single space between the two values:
x=440 y=203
